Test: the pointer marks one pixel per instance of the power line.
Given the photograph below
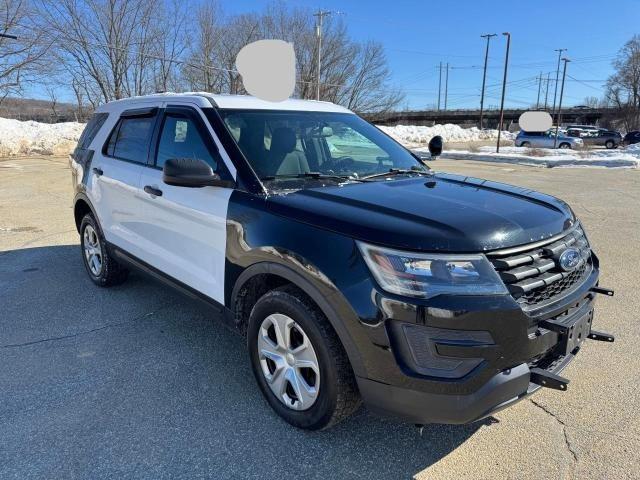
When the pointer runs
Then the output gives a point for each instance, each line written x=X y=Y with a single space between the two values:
x=582 y=82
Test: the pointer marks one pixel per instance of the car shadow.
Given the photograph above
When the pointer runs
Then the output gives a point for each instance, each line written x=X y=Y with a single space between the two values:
x=139 y=381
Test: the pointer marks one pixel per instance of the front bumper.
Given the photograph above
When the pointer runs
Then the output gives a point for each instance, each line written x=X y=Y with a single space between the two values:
x=506 y=345
x=501 y=391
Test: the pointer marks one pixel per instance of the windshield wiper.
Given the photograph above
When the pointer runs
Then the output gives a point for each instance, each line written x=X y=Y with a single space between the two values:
x=398 y=171
x=313 y=175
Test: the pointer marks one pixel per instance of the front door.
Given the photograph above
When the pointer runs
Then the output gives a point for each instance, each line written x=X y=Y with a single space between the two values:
x=185 y=229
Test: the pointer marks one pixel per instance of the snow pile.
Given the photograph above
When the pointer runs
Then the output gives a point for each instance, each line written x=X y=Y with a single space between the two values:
x=546 y=157
x=34 y=138
x=412 y=134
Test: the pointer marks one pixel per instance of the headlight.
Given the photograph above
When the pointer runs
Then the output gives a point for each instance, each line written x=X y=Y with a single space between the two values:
x=426 y=275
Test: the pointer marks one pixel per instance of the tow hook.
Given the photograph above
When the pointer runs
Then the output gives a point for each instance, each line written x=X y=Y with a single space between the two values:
x=601 y=336
x=548 y=379
x=603 y=291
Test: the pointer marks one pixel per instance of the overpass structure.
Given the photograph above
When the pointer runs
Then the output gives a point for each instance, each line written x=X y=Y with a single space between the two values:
x=584 y=116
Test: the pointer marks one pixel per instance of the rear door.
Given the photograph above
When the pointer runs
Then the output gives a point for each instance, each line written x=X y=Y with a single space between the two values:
x=114 y=185
x=184 y=231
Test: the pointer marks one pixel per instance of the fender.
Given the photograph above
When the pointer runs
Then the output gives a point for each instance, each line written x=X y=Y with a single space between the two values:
x=83 y=196
x=316 y=293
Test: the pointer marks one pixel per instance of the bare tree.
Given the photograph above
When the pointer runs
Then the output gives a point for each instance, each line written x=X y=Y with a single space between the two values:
x=79 y=93
x=21 y=59
x=623 y=87
x=108 y=42
x=170 y=47
x=199 y=69
x=592 y=102
x=367 y=89
x=52 y=93
x=110 y=49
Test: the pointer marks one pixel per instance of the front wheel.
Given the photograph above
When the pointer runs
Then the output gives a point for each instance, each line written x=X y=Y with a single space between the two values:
x=609 y=144
x=299 y=363
x=564 y=146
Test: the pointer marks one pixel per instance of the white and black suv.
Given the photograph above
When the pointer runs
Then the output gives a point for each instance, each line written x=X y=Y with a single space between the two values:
x=353 y=270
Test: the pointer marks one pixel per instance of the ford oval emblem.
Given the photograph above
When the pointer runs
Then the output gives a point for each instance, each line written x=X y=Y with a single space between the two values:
x=569 y=259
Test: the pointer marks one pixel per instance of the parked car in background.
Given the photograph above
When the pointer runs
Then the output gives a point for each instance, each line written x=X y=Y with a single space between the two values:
x=631 y=138
x=600 y=138
x=546 y=140
x=584 y=128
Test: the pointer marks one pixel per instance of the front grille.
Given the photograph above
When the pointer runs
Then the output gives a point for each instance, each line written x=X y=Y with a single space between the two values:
x=532 y=274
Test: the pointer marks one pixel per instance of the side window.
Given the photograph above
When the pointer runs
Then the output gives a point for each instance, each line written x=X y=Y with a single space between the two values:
x=91 y=130
x=130 y=139
x=180 y=138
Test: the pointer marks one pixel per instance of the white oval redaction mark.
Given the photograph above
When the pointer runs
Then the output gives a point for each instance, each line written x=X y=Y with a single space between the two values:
x=268 y=69
x=535 y=121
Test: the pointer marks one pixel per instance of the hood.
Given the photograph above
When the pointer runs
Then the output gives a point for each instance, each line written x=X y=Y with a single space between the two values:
x=441 y=213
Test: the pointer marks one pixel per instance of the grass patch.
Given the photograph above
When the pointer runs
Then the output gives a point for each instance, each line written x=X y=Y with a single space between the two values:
x=535 y=152
x=474 y=147
x=583 y=151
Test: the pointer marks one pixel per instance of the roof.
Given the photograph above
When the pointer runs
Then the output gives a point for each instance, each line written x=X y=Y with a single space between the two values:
x=204 y=99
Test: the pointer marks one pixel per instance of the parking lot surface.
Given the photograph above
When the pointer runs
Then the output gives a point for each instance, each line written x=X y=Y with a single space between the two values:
x=137 y=381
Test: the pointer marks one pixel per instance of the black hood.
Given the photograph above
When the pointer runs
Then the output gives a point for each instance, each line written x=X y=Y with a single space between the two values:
x=441 y=213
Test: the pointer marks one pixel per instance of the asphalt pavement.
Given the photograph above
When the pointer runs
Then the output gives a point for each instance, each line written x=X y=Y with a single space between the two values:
x=137 y=381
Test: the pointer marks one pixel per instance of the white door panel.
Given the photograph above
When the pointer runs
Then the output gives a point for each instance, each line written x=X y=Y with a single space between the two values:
x=184 y=233
x=117 y=198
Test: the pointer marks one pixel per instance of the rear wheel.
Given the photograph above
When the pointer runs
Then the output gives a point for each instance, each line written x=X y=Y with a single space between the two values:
x=101 y=267
x=609 y=144
x=299 y=363
x=525 y=144
x=564 y=145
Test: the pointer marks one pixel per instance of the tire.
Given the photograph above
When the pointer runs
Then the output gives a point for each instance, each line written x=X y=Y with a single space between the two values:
x=609 y=144
x=101 y=267
x=564 y=146
x=525 y=144
x=331 y=394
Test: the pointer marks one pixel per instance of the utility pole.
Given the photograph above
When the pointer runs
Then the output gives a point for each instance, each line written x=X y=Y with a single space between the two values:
x=555 y=93
x=439 y=85
x=546 y=91
x=504 y=86
x=6 y=35
x=564 y=74
x=320 y=14
x=446 y=87
x=484 y=73
x=539 y=87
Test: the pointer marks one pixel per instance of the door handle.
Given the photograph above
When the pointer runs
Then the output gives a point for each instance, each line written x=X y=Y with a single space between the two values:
x=153 y=191
x=97 y=171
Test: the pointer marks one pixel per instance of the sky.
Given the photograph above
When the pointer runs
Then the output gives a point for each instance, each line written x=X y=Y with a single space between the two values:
x=417 y=35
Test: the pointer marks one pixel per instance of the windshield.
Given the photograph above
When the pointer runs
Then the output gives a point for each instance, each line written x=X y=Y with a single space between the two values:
x=280 y=145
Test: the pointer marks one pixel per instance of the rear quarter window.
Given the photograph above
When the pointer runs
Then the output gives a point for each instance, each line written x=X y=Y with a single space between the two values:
x=91 y=130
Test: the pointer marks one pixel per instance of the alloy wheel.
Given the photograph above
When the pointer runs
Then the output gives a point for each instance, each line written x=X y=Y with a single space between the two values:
x=288 y=362
x=92 y=250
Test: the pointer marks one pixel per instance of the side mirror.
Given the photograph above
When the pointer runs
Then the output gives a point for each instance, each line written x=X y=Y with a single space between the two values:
x=192 y=173
x=435 y=146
